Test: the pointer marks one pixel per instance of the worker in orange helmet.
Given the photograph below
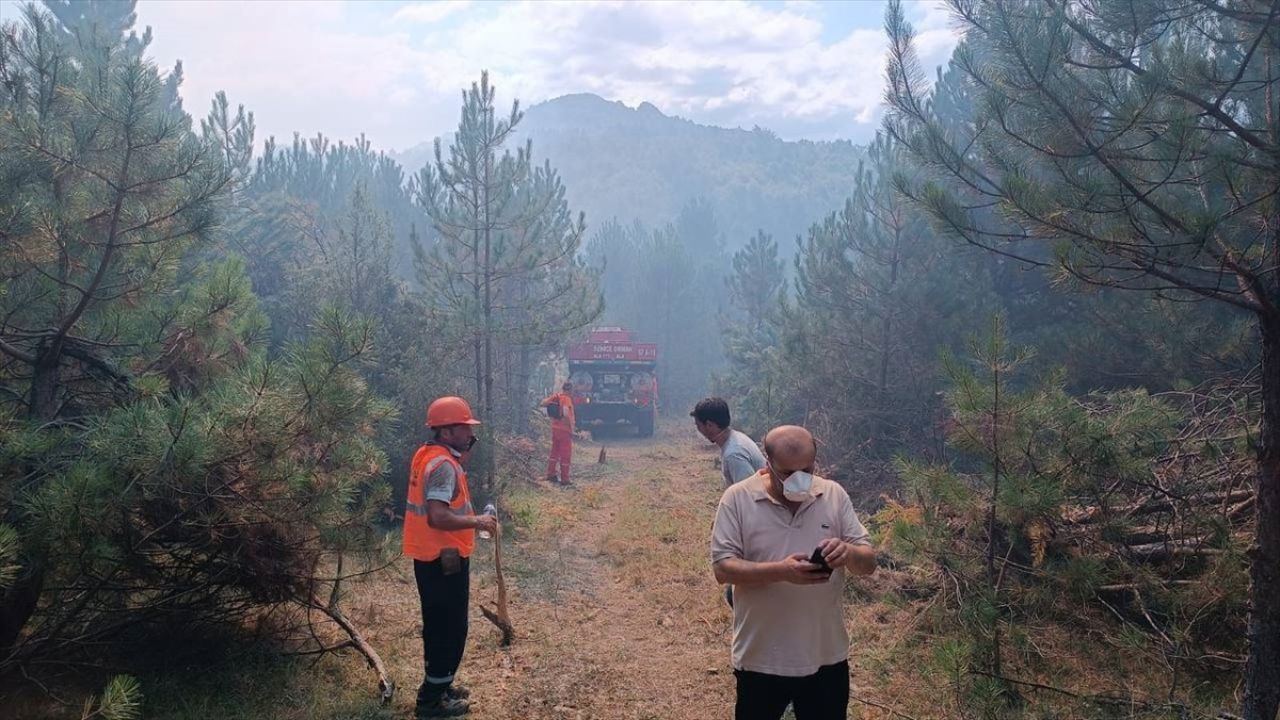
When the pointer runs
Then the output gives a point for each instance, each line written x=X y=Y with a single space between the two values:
x=560 y=409
x=439 y=534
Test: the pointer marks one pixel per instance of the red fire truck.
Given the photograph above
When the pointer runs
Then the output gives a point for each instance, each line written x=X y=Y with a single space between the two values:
x=615 y=381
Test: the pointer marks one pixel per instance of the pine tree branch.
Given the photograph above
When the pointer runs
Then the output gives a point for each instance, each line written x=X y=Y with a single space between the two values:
x=1242 y=16
x=88 y=358
x=16 y=354
x=1209 y=109
x=107 y=255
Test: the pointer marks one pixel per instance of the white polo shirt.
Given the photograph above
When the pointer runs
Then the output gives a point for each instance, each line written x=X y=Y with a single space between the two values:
x=782 y=628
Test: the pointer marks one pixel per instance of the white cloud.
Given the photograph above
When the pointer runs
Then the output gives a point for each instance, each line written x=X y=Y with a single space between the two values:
x=931 y=16
x=802 y=5
x=296 y=65
x=342 y=69
x=429 y=12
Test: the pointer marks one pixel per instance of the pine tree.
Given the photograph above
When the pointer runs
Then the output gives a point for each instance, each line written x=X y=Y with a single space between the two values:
x=1129 y=145
x=756 y=372
x=156 y=460
x=112 y=20
x=107 y=190
x=1113 y=511
x=296 y=190
x=505 y=273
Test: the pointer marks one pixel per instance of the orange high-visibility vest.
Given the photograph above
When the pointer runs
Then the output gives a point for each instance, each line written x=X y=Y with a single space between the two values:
x=421 y=541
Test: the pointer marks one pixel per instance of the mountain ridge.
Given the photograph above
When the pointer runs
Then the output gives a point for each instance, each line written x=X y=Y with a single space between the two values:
x=625 y=163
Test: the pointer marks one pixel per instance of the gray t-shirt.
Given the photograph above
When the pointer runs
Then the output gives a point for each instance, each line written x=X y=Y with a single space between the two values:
x=740 y=458
x=442 y=481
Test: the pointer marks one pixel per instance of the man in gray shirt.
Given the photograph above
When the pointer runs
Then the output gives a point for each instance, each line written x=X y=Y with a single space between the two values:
x=740 y=457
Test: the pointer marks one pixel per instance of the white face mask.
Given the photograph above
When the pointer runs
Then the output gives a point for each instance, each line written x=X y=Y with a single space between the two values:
x=796 y=487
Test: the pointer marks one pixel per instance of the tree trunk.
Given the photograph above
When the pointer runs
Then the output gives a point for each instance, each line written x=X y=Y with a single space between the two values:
x=45 y=374
x=1262 y=669
x=19 y=602
x=18 y=606
x=477 y=343
x=522 y=390
x=886 y=340
x=992 y=578
x=489 y=458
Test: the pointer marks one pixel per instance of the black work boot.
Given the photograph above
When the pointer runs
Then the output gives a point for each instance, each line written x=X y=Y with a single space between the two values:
x=443 y=706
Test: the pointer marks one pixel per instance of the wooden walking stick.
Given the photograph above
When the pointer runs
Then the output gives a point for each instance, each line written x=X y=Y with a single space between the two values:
x=498 y=615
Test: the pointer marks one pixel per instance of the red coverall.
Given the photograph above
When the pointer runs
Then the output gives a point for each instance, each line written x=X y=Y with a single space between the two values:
x=561 y=437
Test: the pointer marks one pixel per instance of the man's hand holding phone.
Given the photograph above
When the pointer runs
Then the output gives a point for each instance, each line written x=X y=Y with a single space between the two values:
x=800 y=570
x=817 y=559
x=834 y=553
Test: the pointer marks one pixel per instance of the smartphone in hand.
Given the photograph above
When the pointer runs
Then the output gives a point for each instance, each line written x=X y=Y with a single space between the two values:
x=817 y=559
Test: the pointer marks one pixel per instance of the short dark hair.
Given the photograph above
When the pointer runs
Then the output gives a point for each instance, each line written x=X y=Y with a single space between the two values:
x=567 y=386
x=713 y=410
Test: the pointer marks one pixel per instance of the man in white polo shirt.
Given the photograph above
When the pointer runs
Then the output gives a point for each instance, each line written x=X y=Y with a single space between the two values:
x=789 y=639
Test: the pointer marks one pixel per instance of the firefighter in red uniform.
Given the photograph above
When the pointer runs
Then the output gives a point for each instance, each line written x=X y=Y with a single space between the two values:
x=439 y=534
x=560 y=408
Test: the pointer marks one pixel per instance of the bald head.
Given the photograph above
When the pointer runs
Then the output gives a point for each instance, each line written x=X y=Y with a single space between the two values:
x=790 y=447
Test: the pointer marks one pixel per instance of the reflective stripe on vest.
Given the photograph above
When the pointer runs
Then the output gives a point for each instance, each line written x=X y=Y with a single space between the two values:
x=421 y=509
x=421 y=541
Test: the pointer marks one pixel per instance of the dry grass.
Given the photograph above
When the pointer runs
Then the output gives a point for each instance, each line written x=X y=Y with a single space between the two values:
x=617 y=616
x=631 y=627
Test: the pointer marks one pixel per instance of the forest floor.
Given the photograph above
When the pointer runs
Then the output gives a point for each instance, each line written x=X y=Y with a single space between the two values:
x=616 y=615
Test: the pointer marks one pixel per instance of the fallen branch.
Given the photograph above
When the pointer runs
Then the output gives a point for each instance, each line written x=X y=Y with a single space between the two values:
x=885 y=560
x=1081 y=516
x=1236 y=511
x=43 y=688
x=385 y=684
x=886 y=708
x=1131 y=587
x=1165 y=550
x=322 y=650
x=1102 y=699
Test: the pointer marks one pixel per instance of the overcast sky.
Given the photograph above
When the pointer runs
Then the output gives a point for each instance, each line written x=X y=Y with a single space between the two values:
x=394 y=70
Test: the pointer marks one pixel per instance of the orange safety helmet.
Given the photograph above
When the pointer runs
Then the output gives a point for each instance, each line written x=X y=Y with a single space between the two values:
x=450 y=410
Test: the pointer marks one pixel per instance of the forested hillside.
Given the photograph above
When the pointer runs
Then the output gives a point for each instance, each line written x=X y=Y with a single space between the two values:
x=634 y=164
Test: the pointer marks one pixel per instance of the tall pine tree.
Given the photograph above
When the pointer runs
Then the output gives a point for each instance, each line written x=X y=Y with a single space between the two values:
x=1138 y=142
x=504 y=279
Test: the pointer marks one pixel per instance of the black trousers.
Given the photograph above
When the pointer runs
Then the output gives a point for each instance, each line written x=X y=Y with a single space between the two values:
x=444 y=623
x=823 y=695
